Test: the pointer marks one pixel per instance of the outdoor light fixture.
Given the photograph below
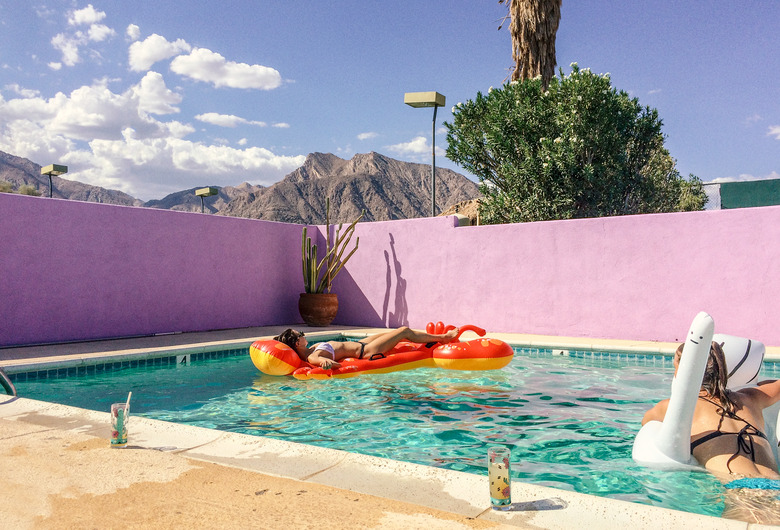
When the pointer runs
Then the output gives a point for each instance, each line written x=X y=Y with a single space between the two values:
x=203 y=193
x=53 y=169
x=435 y=100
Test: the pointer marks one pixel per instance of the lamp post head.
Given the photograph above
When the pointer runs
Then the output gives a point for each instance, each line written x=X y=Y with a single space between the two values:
x=206 y=192
x=424 y=99
x=54 y=169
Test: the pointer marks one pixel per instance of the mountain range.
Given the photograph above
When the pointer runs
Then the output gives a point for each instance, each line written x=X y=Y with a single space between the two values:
x=385 y=188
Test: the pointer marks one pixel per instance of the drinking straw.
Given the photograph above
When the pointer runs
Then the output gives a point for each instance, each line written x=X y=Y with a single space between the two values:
x=127 y=405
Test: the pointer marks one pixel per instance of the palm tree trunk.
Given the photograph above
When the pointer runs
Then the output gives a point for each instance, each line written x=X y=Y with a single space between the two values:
x=533 y=26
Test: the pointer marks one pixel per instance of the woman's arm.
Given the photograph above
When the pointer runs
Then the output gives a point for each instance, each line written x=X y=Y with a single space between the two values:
x=657 y=413
x=324 y=359
x=767 y=393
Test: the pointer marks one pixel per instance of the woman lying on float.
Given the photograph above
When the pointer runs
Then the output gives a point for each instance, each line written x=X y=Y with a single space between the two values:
x=327 y=354
x=400 y=349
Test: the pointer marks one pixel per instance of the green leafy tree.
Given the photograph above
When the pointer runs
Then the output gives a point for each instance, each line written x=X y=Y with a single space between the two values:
x=6 y=187
x=578 y=149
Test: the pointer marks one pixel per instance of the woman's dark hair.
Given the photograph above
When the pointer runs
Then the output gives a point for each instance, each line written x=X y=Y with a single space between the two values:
x=715 y=376
x=288 y=337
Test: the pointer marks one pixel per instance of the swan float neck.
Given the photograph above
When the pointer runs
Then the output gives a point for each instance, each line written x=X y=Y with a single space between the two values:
x=667 y=444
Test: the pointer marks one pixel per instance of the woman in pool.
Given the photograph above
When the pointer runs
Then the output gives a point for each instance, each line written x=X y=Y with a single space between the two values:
x=727 y=438
x=327 y=354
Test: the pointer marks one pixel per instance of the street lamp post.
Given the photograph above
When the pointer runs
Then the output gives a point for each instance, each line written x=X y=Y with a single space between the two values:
x=203 y=193
x=435 y=100
x=53 y=169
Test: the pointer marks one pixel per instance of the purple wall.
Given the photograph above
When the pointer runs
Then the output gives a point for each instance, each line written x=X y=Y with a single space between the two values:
x=638 y=277
x=72 y=270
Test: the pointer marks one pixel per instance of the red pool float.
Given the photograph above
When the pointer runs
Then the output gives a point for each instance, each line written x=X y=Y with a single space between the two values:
x=274 y=358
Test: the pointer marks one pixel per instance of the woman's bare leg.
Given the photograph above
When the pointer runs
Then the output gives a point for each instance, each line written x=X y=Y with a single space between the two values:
x=383 y=342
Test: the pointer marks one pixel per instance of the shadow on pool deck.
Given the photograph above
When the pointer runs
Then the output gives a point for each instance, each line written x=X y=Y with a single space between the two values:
x=59 y=471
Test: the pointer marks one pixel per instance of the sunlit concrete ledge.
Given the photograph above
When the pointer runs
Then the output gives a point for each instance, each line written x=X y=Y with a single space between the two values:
x=449 y=491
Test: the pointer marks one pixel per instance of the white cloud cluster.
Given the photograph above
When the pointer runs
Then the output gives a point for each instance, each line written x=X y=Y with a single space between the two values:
x=70 y=43
x=367 y=136
x=774 y=130
x=154 y=97
x=86 y=16
x=416 y=146
x=114 y=140
x=416 y=149
x=143 y=54
x=205 y=65
x=125 y=138
x=200 y=64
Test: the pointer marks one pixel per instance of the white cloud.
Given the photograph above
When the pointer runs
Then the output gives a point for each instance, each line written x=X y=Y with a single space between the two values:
x=133 y=32
x=242 y=141
x=281 y=125
x=99 y=32
x=69 y=46
x=367 y=135
x=55 y=66
x=113 y=140
x=753 y=118
x=143 y=54
x=210 y=67
x=415 y=146
x=70 y=42
x=24 y=92
x=87 y=15
x=743 y=177
x=226 y=120
x=774 y=130
x=417 y=149
x=154 y=97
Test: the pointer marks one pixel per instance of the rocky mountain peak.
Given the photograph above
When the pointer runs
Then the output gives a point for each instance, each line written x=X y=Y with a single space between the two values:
x=384 y=187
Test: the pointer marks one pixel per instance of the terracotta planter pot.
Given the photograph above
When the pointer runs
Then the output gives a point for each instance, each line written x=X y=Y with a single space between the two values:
x=318 y=309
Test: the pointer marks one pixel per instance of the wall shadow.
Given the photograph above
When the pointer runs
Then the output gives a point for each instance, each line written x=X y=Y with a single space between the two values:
x=399 y=315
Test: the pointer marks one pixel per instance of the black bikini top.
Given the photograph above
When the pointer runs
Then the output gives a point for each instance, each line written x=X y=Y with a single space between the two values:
x=744 y=436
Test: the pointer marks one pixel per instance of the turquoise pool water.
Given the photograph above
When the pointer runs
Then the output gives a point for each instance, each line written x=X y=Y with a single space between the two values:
x=570 y=421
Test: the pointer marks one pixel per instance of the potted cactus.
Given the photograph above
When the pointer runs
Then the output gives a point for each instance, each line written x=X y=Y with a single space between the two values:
x=317 y=305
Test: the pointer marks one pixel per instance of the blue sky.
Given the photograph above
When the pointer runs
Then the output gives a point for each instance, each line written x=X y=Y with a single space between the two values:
x=151 y=97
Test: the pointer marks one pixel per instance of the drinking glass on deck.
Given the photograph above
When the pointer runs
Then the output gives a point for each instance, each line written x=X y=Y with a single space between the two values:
x=119 y=413
x=499 y=478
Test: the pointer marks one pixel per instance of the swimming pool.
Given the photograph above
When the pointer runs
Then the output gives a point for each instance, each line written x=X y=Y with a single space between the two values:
x=570 y=420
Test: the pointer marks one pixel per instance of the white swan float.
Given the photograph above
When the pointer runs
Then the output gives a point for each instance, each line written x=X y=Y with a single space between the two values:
x=667 y=444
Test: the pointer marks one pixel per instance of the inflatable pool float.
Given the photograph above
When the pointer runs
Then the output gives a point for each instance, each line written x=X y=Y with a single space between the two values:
x=274 y=358
x=667 y=444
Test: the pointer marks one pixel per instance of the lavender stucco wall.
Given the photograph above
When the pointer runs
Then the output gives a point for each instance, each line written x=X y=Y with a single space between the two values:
x=73 y=270
x=635 y=277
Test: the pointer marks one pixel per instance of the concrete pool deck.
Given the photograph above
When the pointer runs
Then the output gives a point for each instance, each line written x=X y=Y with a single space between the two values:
x=59 y=471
